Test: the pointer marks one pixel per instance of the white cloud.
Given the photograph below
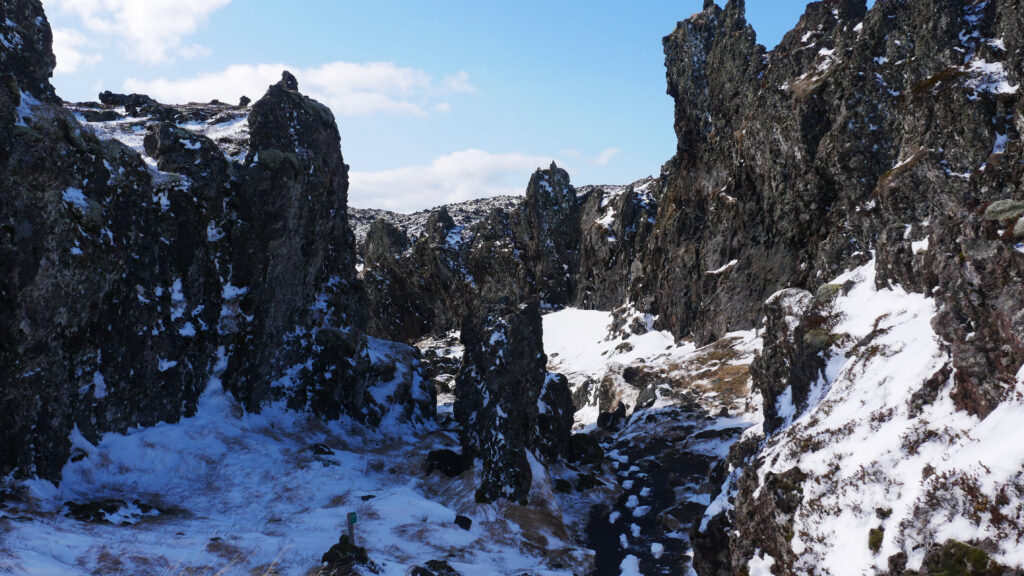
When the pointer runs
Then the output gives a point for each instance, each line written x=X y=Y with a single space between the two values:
x=606 y=156
x=74 y=51
x=603 y=158
x=350 y=89
x=455 y=177
x=150 y=31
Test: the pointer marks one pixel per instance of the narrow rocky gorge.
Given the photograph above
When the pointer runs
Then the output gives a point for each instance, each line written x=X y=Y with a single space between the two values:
x=797 y=350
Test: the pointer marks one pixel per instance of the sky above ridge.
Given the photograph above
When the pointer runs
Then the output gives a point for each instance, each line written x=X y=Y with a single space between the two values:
x=437 y=101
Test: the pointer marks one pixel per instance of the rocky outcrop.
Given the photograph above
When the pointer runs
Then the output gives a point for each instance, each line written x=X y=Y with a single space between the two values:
x=558 y=245
x=532 y=252
x=26 y=58
x=889 y=131
x=614 y=225
x=420 y=289
x=291 y=248
x=780 y=171
x=797 y=336
x=528 y=253
x=126 y=287
x=464 y=214
x=507 y=403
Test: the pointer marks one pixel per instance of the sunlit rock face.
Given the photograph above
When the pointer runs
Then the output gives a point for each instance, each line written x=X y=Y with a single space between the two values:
x=147 y=246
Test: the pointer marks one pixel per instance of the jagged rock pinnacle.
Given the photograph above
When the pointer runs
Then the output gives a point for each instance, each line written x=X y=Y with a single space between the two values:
x=288 y=81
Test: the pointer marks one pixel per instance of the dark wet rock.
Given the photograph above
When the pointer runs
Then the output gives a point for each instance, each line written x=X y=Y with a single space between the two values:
x=612 y=420
x=447 y=462
x=464 y=522
x=505 y=400
x=343 y=557
x=585 y=449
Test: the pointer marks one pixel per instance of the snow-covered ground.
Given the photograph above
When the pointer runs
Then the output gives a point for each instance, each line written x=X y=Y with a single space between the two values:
x=583 y=345
x=226 y=492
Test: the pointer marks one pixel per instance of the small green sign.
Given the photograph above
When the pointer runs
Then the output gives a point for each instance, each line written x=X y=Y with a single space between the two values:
x=351 y=517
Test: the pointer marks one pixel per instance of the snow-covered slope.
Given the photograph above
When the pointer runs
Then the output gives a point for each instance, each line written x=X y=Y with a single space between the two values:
x=890 y=466
x=227 y=492
x=608 y=363
x=681 y=408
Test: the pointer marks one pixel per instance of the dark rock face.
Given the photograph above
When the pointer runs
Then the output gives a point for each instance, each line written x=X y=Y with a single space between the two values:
x=545 y=225
x=613 y=231
x=980 y=289
x=384 y=240
x=892 y=131
x=292 y=248
x=26 y=60
x=506 y=401
x=420 y=289
x=772 y=511
x=797 y=332
x=192 y=155
x=126 y=288
x=530 y=253
x=97 y=303
x=559 y=245
x=787 y=169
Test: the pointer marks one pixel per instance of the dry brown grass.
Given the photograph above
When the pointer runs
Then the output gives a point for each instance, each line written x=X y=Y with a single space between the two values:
x=717 y=370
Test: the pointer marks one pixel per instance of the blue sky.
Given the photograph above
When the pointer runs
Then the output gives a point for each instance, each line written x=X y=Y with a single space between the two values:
x=436 y=101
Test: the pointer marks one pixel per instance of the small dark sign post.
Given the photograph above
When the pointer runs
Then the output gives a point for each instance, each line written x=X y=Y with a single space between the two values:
x=351 y=528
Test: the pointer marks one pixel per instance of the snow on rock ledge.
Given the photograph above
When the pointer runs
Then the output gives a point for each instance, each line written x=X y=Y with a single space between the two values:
x=880 y=470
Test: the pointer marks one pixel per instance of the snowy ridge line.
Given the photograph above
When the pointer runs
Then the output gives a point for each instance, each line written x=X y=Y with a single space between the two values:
x=464 y=214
